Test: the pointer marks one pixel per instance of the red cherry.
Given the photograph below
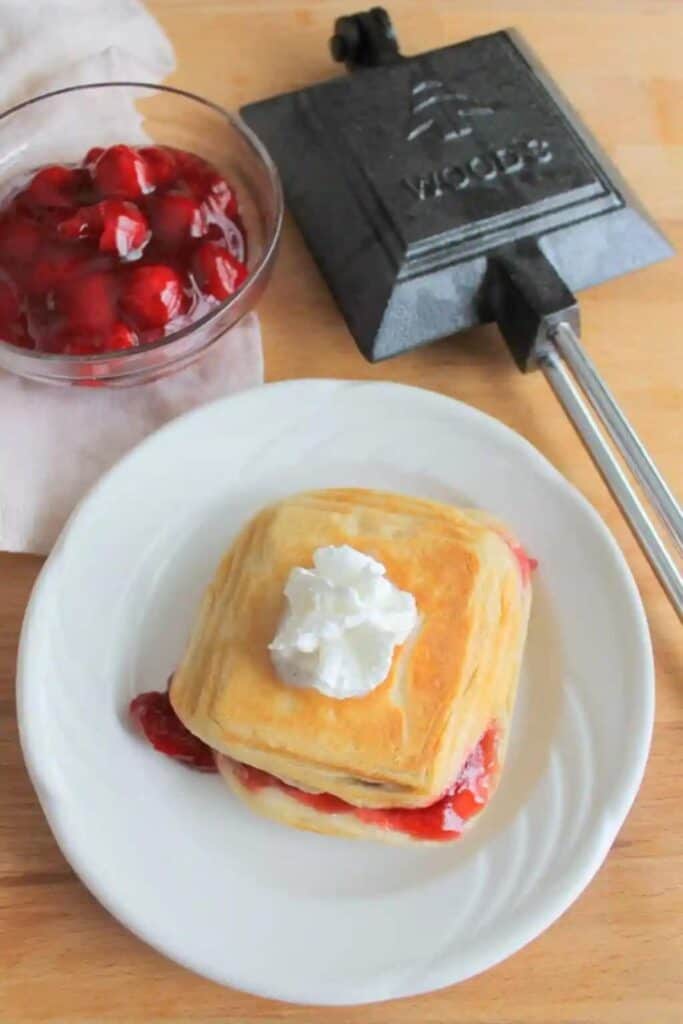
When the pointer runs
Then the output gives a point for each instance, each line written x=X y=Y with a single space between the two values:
x=21 y=337
x=206 y=184
x=151 y=335
x=9 y=299
x=154 y=715
x=194 y=172
x=152 y=296
x=53 y=186
x=465 y=804
x=69 y=340
x=219 y=195
x=19 y=240
x=233 y=238
x=161 y=164
x=189 y=163
x=125 y=229
x=92 y=156
x=73 y=344
x=53 y=265
x=120 y=337
x=17 y=333
x=175 y=219
x=121 y=172
x=24 y=340
x=216 y=270
x=119 y=225
x=88 y=303
x=86 y=222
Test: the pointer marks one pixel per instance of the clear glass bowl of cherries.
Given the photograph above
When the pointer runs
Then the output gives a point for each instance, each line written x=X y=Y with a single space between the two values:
x=138 y=223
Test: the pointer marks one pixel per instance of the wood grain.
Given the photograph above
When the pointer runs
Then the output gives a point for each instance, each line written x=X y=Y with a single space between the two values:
x=616 y=957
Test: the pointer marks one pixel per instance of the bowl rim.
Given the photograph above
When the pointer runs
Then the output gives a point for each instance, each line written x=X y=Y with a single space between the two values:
x=252 y=278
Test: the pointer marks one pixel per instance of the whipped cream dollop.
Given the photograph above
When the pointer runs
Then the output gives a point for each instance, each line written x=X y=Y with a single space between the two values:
x=342 y=622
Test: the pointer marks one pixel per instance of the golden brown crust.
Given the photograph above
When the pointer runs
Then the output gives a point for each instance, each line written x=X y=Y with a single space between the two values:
x=403 y=743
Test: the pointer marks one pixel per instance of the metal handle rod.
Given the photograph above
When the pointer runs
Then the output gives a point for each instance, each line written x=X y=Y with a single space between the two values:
x=569 y=396
x=620 y=430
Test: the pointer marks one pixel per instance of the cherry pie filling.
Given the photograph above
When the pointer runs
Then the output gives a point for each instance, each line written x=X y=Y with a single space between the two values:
x=443 y=820
x=526 y=563
x=117 y=252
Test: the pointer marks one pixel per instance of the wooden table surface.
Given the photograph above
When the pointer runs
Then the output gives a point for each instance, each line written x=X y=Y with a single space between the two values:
x=616 y=957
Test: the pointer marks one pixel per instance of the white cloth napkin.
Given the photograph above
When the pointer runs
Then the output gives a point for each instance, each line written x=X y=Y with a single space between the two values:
x=56 y=441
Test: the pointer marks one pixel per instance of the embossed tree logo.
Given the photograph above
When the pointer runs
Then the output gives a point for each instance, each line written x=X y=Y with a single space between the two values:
x=437 y=108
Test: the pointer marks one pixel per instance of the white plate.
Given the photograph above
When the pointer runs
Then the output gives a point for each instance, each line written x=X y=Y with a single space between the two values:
x=250 y=903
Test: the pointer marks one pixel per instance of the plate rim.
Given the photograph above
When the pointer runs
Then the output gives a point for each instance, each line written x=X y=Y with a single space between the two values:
x=535 y=923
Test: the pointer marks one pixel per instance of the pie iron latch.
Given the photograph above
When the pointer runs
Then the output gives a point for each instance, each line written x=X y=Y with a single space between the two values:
x=365 y=40
x=456 y=187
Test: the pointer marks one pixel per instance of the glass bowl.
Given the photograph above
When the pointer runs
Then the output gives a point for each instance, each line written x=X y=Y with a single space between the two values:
x=61 y=126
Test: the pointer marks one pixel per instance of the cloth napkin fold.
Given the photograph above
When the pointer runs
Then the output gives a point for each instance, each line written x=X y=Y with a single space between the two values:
x=56 y=441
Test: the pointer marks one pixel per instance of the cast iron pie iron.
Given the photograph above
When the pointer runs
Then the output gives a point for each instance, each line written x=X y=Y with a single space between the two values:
x=457 y=187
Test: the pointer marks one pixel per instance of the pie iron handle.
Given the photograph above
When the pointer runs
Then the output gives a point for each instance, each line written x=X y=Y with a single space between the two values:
x=539 y=318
